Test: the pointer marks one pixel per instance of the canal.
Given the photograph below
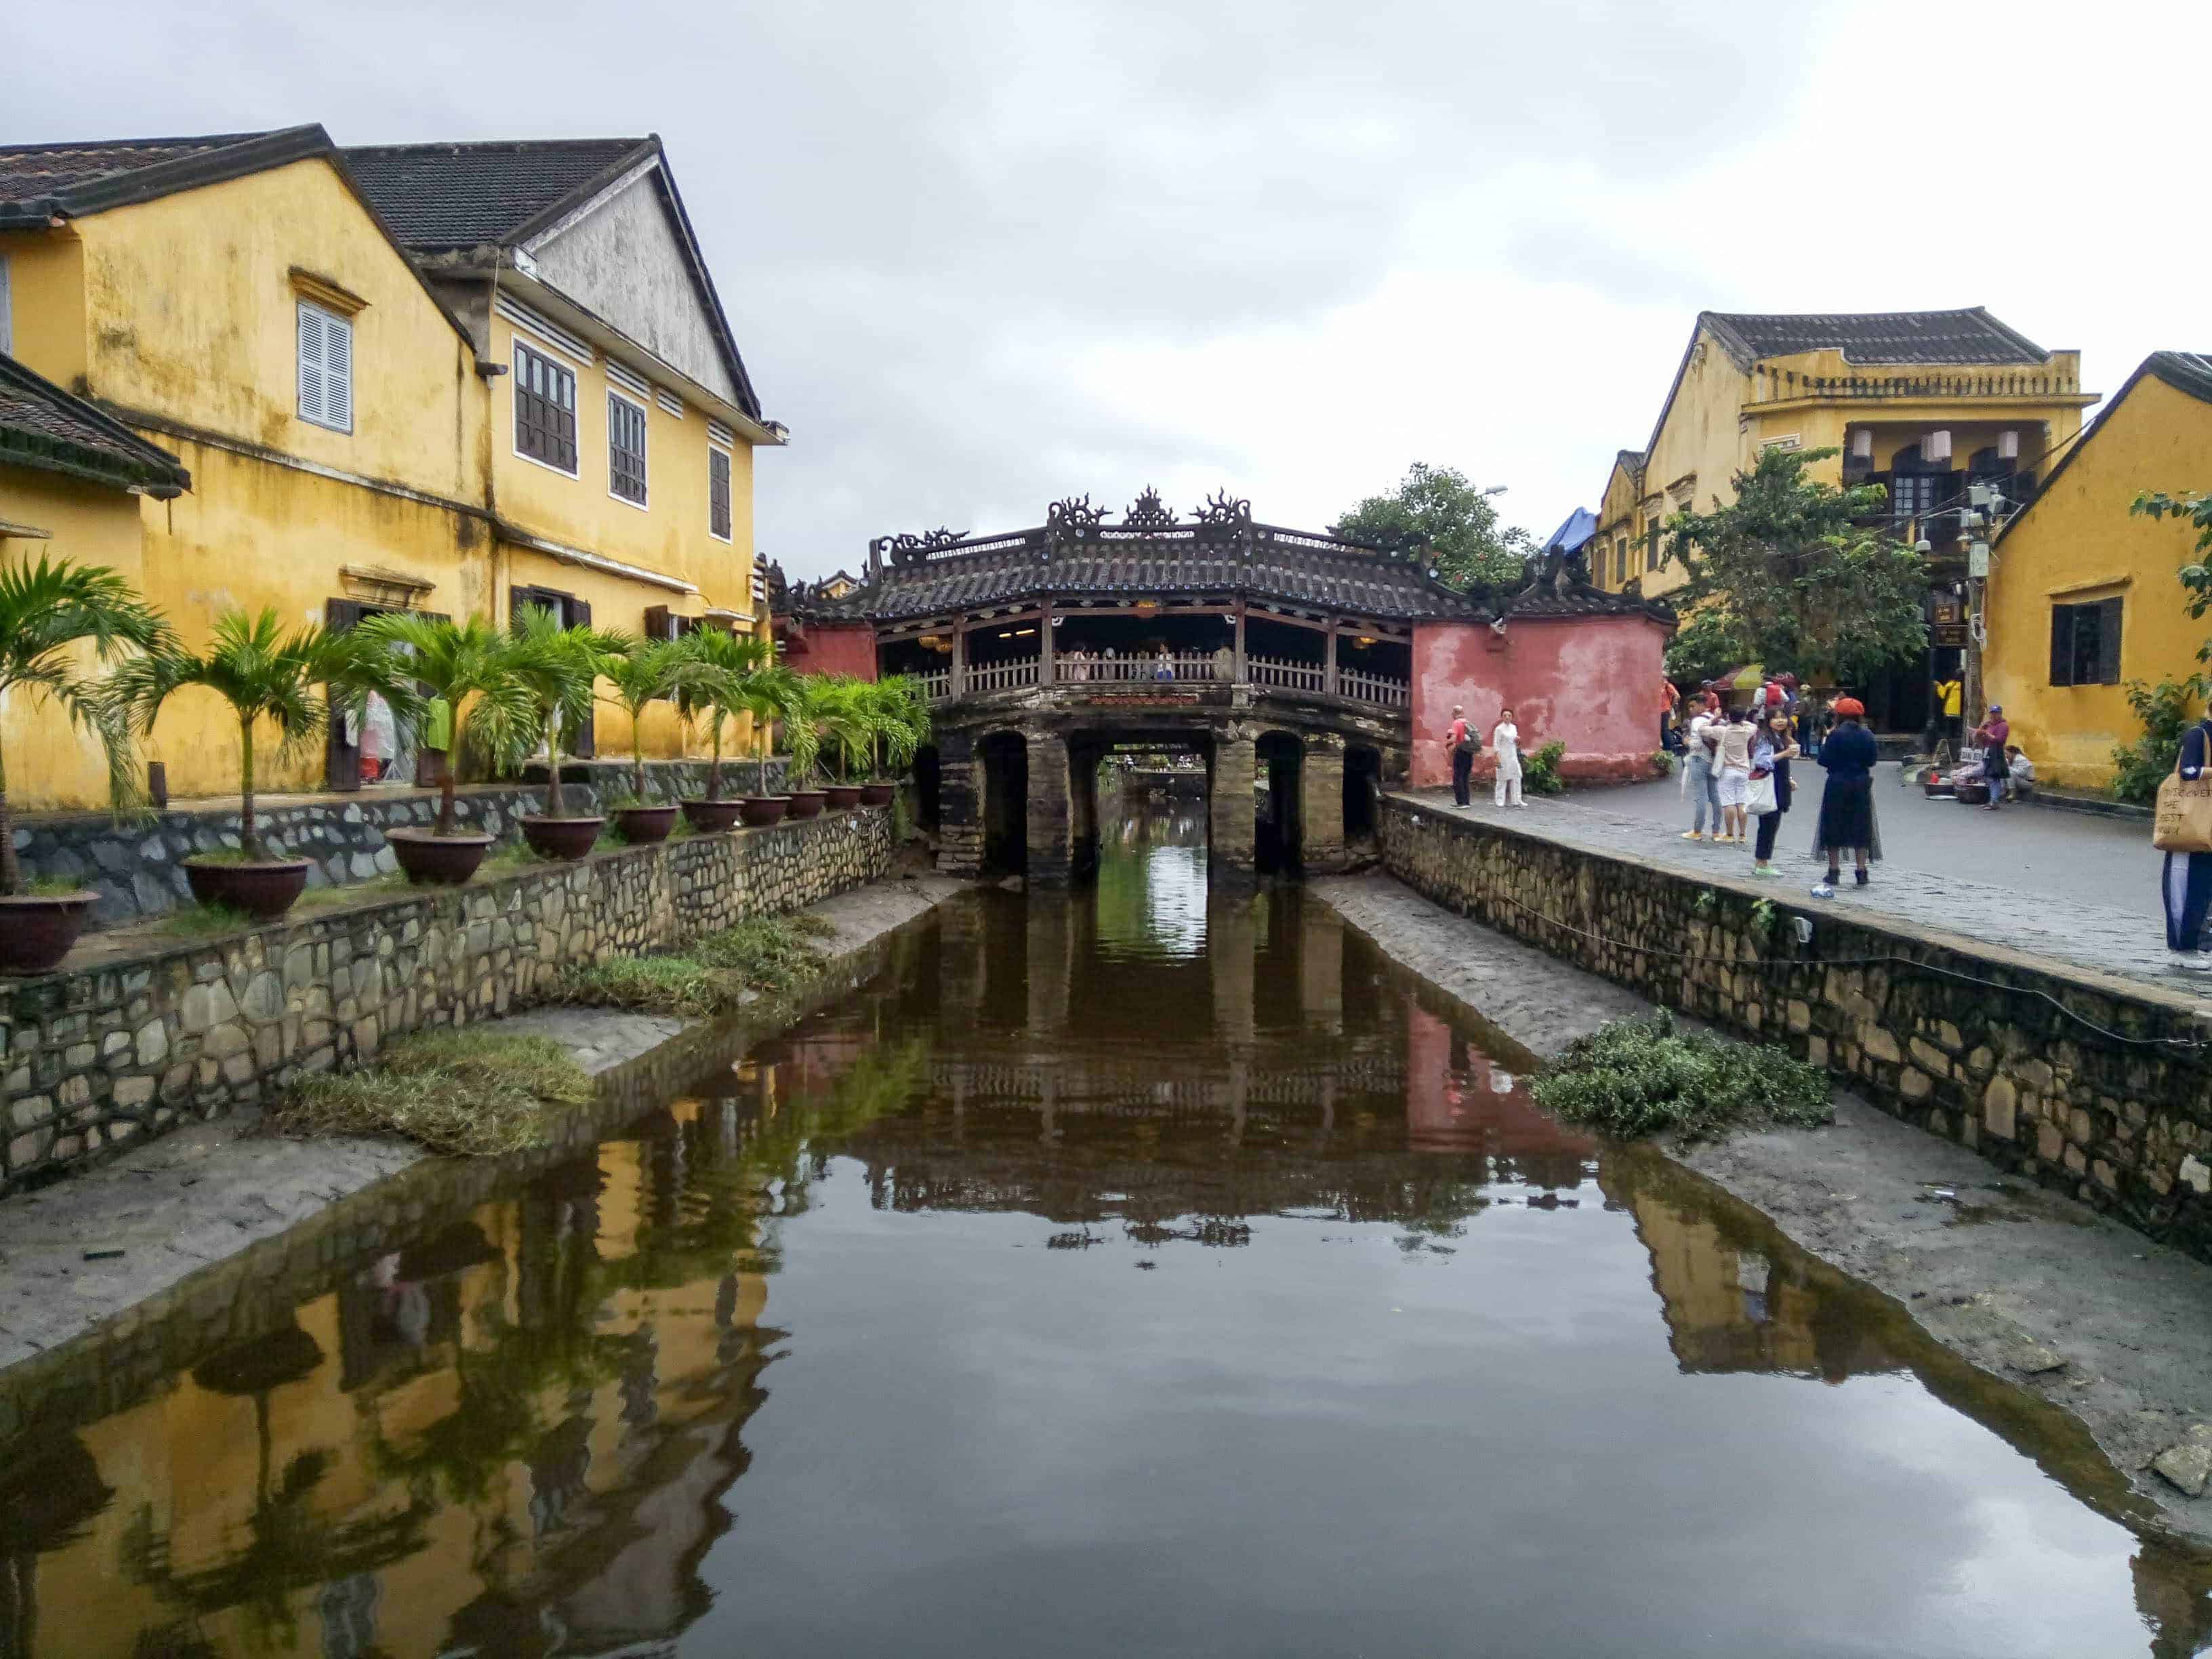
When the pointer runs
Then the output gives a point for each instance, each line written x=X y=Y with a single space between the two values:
x=1140 y=1271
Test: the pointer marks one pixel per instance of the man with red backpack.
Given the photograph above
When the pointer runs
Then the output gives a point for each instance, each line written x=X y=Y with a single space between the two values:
x=1464 y=743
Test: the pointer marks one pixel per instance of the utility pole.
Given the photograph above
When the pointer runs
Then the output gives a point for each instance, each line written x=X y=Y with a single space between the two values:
x=1979 y=522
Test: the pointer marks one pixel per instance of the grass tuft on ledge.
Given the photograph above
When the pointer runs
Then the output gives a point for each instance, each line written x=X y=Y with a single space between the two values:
x=763 y=956
x=1639 y=1078
x=462 y=1093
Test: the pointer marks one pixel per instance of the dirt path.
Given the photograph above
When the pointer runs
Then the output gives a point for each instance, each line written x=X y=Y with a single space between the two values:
x=2030 y=1287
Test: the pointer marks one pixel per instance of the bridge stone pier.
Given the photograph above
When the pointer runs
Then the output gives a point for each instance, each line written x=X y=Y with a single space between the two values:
x=1293 y=664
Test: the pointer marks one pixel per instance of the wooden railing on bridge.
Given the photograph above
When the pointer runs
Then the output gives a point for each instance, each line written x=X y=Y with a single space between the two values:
x=1203 y=668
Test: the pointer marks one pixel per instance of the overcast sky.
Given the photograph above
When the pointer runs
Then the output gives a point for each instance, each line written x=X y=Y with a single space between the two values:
x=980 y=255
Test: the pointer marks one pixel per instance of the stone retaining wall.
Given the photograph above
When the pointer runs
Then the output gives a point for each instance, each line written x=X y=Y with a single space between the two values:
x=1976 y=1043
x=97 y=1059
x=138 y=872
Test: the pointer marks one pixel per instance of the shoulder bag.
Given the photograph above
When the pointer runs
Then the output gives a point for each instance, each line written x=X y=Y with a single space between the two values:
x=2184 y=820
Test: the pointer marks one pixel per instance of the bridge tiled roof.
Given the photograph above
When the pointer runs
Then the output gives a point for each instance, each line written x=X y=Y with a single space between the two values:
x=1151 y=554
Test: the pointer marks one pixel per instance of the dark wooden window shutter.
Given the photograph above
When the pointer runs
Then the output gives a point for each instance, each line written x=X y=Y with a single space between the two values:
x=341 y=760
x=2108 y=642
x=656 y=623
x=2061 y=645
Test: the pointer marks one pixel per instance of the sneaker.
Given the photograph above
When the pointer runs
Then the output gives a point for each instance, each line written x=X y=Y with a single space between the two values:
x=1694 y=835
x=1859 y=876
x=1765 y=873
x=2193 y=962
x=1821 y=889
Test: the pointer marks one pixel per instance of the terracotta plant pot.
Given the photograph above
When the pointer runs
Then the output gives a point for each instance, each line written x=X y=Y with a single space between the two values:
x=432 y=861
x=641 y=826
x=807 y=803
x=711 y=817
x=843 y=796
x=565 y=839
x=877 y=794
x=36 y=934
x=265 y=890
x=762 y=811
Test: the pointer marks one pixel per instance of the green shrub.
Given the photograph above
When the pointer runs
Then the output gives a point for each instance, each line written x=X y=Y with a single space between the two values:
x=2139 y=768
x=771 y=955
x=1539 y=772
x=463 y=1093
x=1635 y=1078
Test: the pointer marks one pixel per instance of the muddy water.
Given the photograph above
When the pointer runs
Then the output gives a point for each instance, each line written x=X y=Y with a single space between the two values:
x=1134 y=1274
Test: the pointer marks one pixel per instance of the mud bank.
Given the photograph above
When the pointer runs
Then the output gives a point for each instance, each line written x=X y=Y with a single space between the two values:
x=124 y=1241
x=2028 y=1285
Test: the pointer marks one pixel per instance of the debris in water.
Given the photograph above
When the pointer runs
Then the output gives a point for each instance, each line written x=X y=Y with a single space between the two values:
x=105 y=1252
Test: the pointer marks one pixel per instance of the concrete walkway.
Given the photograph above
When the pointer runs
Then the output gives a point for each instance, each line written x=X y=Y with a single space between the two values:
x=89 y=1248
x=2064 y=886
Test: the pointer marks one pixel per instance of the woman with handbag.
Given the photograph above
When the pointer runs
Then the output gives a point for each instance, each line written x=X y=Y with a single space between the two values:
x=1771 y=751
x=2183 y=830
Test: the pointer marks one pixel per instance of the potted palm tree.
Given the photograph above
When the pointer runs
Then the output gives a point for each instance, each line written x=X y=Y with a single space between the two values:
x=559 y=668
x=472 y=666
x=269 y=678
x=770 y=695
x=901 y=717
x=804 y=731
x=642 y=676
x=49 y=612
x=718 y=696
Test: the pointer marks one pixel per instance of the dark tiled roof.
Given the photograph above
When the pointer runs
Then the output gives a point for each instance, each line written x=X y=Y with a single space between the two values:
x=43 y=426
x=1295 y=568
x=1971 y=336
x=441 y=197
x=2185 y=370
x=38 y=182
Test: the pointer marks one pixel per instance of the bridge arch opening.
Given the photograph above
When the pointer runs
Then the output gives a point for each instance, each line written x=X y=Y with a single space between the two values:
x=1004 y=758
x=928 y=788
x=1363 y=791
x=1279 y=838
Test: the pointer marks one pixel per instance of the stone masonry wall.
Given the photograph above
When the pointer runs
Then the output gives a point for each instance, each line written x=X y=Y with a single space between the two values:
x=138 y=870
x=1975 y=1044
x=95 y=1060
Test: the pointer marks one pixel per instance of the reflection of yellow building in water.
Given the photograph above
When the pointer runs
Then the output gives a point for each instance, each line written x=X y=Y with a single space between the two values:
x=376 y=418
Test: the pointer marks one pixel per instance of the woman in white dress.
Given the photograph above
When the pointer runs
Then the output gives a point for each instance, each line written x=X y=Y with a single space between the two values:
x=1505 y=743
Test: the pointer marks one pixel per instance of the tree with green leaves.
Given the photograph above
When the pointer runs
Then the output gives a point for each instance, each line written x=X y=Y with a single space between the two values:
x=721 y=697
x=643 y=675
x=1456 y=521
x=288 y=681
x=1796 y=574
x=900 y=715
x=2195 y=506
x=471 y=665
x=50 y=614
x=559 y=667
x=770 y=696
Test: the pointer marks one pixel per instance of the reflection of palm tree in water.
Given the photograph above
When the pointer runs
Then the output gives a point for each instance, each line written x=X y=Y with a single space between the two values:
x=290 y=1548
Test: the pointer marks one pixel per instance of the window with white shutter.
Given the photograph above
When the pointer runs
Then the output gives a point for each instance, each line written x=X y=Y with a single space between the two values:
x=326 y=369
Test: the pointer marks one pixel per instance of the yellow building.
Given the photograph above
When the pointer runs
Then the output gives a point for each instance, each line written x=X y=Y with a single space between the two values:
x=2081 y=595
x=368 y=432
x=70 y=480
x=1921 y=403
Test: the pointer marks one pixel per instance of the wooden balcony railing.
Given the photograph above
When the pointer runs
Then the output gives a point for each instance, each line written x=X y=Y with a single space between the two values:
x=1199 y=668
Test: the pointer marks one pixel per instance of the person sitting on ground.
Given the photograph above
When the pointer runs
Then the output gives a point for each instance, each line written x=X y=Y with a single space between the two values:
x=1734 y=783
x=1848 y=755
x=1505 y=744
x=1771 y=751
x=2019 y=769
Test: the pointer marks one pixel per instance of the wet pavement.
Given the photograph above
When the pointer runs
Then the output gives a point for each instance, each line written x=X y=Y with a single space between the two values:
x=1141 y=1271
x=2068 y=885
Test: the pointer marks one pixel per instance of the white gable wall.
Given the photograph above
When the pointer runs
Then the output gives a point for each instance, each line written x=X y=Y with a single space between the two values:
x=624 y=261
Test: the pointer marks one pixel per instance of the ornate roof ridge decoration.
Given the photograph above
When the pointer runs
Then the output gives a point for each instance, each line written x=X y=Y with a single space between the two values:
x=1223 y=521
x=1073 y=522
x=1148 y=513
x=908 y=549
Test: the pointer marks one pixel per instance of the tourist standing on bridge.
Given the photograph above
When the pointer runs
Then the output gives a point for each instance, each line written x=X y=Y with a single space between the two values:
x=2185 y=880
x=1163 y=664
x=1698 y=772
x=1771 y=751
x=1847 y=822
x=1461 y=737
x=1505 y=744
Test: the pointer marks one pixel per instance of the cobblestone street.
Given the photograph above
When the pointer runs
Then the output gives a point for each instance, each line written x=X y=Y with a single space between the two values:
x=2069 y=885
